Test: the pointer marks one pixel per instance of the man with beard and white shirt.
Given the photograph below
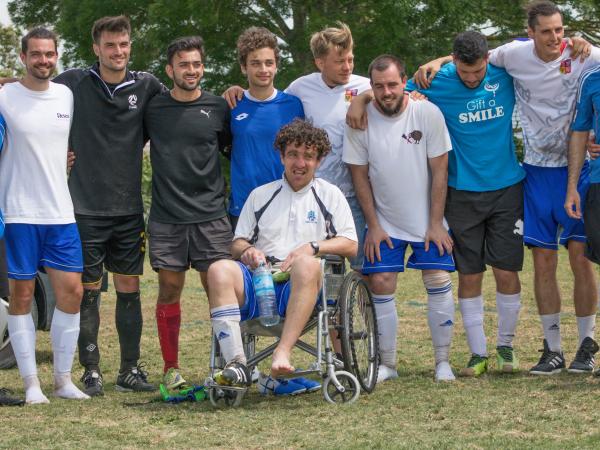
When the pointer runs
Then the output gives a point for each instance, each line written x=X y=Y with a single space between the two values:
x=405 y=140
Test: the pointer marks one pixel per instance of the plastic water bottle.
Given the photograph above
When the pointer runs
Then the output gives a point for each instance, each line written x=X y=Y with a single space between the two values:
x=264 y=292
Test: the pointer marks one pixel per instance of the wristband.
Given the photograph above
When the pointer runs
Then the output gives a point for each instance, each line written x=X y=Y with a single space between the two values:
x=244 y=251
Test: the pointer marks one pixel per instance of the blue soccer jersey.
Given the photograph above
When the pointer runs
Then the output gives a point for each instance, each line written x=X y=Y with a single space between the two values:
x=254 y=160
x=2 y=134
x=479 y=121
x=587 y=113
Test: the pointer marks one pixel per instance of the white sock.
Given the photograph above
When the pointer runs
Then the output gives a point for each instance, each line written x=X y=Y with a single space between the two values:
x=508 y=307
x=440 y=317
x=22 y=338
x=551 y=326
x=586 y=326
x=472 y=314
x=226 y=326
x=387 y=325
x=64 y=332
x=64 y=387
x=33 y=392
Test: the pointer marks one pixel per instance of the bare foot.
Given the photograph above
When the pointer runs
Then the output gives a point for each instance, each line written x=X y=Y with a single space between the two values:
x=281 y=364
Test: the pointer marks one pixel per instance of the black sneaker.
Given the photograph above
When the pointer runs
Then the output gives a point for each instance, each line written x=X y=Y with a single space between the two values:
x=234 y=374
x=6 y=398
x=134 y=379
x=550 y=362
x=584 y=358
x=92 y=380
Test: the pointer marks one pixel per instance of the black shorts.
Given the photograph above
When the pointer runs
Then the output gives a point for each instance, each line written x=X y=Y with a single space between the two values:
x=115 y=243
x=3 y=271
x=487 y=228
x=176 y=247
x=591 y=219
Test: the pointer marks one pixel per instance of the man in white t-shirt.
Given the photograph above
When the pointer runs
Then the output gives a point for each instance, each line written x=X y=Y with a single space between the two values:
x=40 y=225
x=292 y=219
x=326 y=96
x=405 y=140
x=546 y=76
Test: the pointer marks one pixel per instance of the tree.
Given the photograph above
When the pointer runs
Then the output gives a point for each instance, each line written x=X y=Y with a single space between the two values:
x=10 y=64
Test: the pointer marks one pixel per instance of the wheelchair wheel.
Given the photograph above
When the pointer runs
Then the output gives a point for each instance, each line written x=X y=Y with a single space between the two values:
x=225 y=398
x=349 y=392
x=359 y=331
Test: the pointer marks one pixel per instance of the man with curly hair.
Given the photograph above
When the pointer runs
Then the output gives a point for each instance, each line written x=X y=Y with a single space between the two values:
x=257 y=118
x=285 y=219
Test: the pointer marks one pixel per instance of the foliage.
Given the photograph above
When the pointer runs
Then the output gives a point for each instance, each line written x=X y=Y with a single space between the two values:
x=10 y=65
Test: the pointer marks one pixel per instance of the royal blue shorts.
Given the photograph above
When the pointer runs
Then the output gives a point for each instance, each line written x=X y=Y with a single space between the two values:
x=546 y=223
x=392 y=260
x=30 y=247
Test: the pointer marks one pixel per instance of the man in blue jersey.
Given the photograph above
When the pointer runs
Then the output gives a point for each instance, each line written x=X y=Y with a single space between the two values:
x=257 y=118
x=484 y=205
x=586 y=118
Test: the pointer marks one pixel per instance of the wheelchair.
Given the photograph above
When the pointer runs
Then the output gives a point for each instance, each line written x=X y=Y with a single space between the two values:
x=345 y=306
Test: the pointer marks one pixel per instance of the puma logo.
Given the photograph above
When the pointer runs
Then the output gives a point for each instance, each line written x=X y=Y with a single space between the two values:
x=206 y=113
x=518 y=227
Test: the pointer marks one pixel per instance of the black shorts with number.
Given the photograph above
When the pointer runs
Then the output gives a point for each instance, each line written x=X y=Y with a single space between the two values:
x=591 y=219
x=115 y=243
x=487 y=228
x=176 y=247
x=3 y=271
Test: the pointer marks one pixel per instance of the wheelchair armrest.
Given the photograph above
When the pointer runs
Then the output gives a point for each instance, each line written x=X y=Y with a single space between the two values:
x=333 y=258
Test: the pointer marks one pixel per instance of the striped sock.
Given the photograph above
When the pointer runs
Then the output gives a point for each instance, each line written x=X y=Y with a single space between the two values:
x=226 y=326
x=387 y=324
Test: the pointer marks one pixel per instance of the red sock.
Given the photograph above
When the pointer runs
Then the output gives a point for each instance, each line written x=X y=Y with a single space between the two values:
x=168 y=320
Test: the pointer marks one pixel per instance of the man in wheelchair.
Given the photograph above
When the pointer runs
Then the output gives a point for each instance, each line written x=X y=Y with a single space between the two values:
x=293 y=219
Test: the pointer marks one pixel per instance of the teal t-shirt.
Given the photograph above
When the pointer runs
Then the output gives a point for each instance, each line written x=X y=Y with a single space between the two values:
x=480 y=124
x=587 y=113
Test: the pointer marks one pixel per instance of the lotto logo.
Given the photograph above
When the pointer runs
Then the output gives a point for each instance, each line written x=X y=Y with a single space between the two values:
x=241 y=116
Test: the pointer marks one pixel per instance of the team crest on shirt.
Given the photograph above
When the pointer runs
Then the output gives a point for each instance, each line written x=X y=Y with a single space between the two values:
x=414 y=137
x=350 y=94
x=565 y=66
x=311 y=217
x=132 y=99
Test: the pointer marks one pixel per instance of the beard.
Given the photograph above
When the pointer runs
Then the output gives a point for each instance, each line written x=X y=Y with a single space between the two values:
x=41 y=72
x=182 y=84
x=390 y=110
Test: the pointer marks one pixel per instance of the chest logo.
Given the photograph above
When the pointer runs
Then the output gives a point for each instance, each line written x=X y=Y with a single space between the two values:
x=565 y=66
x=350 y=94
x=62 y=116
x=311 y=217
x=414 y=137
x=206 y=113
x=132 y=99
x=241 y=116
x=491 y=87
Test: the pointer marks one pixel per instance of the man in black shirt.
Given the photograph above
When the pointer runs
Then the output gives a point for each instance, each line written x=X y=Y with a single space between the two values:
x=105 y=184
x=188 y=223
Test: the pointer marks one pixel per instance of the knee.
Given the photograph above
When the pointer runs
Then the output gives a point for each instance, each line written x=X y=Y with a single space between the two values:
x=220 y=277
x=382 y=282
x=436 y=281
x=545 y=260
x=506 y=281
x=305 y=269
x=169 y=293
x=126 y=283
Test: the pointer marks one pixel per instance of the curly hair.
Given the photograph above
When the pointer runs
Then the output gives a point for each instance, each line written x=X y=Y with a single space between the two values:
x=302 y=132
x=255 y=38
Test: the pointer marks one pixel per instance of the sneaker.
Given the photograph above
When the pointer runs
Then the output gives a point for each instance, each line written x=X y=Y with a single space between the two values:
x=6 y=398
x=92 y=380
x=234 y=374
x=478 y=365
x=507 y=360
x=550 y=362
x=255 y=374
x=310 y=385
x=443 y=372
x=173 y=379
x=584 y=358
x=385 y=373
x=282 y=387
x=134 y=379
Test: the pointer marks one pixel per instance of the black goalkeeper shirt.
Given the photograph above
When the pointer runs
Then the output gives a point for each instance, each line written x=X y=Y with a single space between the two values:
x=185 y=141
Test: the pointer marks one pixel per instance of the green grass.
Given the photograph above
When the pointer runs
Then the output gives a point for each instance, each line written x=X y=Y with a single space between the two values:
x=495 y=411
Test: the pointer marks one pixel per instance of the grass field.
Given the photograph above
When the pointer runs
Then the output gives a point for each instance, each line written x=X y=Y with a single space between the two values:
x=495 y=411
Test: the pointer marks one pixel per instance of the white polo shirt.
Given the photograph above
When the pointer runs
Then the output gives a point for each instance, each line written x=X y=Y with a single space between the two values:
x=545 y=93
x=326 y=108
x=293 y=218
x=397 y=150
x=33 y=164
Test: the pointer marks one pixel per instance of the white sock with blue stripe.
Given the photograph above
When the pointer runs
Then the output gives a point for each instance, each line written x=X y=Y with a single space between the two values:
x=508 y=306
x=472 y=315
x=226 y=326
x=387 y=324
x=440 y=317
